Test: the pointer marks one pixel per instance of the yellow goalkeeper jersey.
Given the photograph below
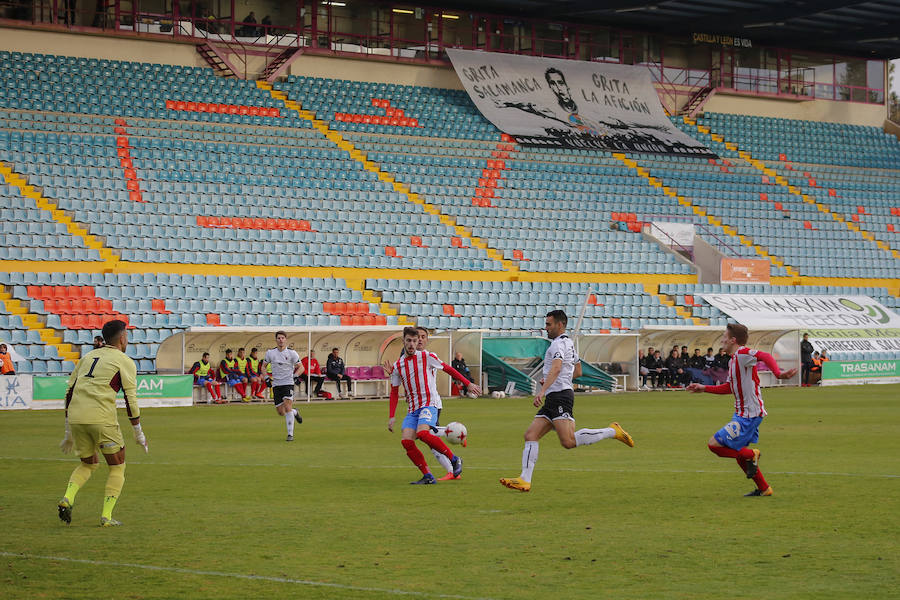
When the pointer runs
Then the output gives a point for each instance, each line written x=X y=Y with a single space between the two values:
x=95 y=383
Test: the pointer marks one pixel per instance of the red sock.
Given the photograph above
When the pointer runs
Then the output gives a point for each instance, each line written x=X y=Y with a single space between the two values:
x=253 y=387
x=745 y=453
x=758 y=479
x=262 y=388
x=241 y=388
x=209 y=388
x=416 y=456
x=723 y=451
x=435 y=442
x=218 y=391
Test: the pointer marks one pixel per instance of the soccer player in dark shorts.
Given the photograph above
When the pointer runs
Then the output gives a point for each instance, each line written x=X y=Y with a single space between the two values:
x=561 y=365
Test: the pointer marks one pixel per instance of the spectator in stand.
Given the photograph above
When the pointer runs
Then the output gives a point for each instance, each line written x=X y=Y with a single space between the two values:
x=816 y=369
x=806 y=361
x=678 y=377
x=657 y=368
x=247 y=30
x=255 y=375
x=205 y=375
x=709 y=359
x=6 y=363
x=229 y=371
x=334 y=370
x=312 y=371
x=266 y=24
x=719 y=370
x=98 y=342
x=696 y=368
x=642 y=369
x=459 y=363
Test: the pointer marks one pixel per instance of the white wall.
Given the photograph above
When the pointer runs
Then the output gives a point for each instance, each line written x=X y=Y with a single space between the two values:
x=376 y=71
x=828 y=111
x=99 y=46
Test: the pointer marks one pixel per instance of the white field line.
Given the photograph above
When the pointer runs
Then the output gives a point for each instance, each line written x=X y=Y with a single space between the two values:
x=301 y=582
x=468 y=467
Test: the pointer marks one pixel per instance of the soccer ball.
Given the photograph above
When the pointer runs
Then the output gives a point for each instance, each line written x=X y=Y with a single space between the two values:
x=456 y=433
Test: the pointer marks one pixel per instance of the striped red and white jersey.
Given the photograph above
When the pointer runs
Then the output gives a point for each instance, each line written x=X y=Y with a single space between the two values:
x=417 y=374
x=744 y=381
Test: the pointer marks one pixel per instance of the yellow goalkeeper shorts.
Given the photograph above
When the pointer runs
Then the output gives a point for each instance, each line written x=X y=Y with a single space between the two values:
x=91 y=437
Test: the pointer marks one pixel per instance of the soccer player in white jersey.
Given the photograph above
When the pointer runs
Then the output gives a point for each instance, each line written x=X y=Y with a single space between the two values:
x=416 y=370
x=743 y=381
x=561 y=365
x=285 y=366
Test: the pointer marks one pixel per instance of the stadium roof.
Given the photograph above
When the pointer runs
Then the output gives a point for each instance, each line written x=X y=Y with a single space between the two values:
x=864 y=29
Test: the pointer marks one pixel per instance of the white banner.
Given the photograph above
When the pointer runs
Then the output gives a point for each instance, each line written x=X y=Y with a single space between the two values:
x=672 y=234
x=15 y=392
x=771 y=311
x=861 y=342
x=570 y=103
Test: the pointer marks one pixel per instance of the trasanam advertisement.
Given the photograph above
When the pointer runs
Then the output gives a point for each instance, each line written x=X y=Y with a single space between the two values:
x=571 y=104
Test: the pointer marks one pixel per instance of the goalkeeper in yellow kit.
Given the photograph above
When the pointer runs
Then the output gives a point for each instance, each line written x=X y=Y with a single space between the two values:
x=91 y=421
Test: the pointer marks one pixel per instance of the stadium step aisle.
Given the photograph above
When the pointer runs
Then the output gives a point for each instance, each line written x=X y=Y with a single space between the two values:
x=386 y=177
x=73 y=306
x=838 y=209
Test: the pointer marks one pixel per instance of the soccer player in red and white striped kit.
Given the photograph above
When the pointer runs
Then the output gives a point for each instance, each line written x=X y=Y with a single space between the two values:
x=743 y=381
x=416 y=371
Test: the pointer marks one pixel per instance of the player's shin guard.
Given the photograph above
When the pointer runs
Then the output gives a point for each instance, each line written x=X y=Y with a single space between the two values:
x=723 y=451
x=114 y=482
x=529 y=459
x=415 y=455
x=435 y=443
x=78 y=478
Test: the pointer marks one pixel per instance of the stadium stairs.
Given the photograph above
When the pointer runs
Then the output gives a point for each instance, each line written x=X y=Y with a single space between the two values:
x=177 y=198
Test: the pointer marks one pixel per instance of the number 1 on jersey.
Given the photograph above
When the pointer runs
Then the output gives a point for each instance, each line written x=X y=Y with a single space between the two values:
x=90 y=372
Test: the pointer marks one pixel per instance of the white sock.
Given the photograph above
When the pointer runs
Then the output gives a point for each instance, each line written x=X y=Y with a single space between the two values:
x=445 y=462
x=289 y=421
x=529 y=458
x=440 y=431
x=586 y=437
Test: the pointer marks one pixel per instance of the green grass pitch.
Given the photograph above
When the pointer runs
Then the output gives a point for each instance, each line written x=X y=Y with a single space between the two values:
x=223 y=507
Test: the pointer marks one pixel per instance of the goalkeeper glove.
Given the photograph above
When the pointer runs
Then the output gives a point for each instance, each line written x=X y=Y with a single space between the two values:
x=140 y=438
x=68 y=444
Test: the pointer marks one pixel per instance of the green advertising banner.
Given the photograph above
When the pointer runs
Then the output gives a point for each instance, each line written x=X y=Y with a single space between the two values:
x=860 y=369
x=152 y=390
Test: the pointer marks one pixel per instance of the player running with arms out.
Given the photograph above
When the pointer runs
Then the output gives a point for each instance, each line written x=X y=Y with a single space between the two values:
x=416 y=370
x=561 y=365
x=743 y=381
x=438 y=403
x=285 y=366
x=91 y=421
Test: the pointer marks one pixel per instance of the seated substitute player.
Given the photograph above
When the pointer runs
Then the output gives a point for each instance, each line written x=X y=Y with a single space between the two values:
x=204 y=374
x=416 y=371
x=732 y=440
x=561 y=364
x=234 y=377
x=255 y=375
x=91 y=421
x=285 y=365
